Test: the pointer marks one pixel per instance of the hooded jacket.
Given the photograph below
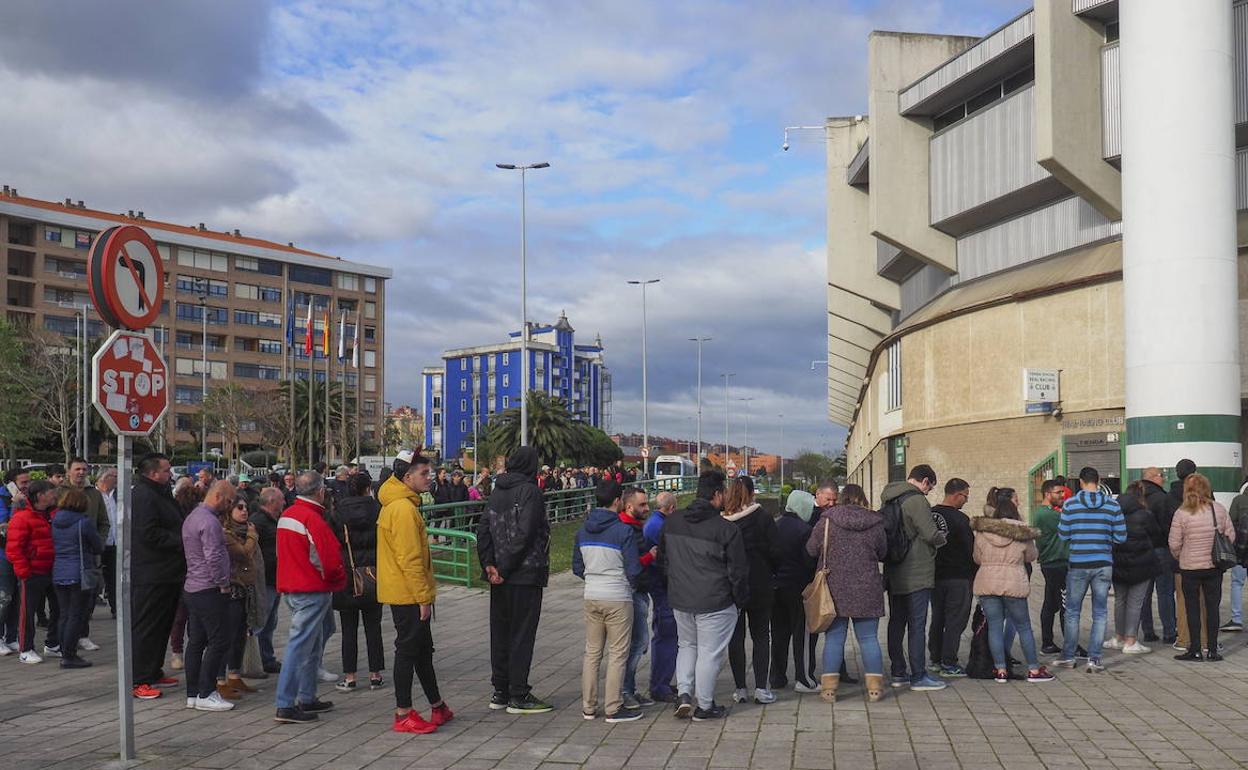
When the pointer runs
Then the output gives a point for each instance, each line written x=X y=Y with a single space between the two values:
x=1091 y=522
x=1191 y=535
x=29 y=543
x=1135 y=559
x=758 y=535
x=404 y=563
x=513 y=535
x=308 y=556
x=605 y=557
x=955 y=560
x=918 y=570
x=856 y=546
x=355 y=524
x=266 y=531
x=73 y=533
x=794 y=567
x=1002 y=547
x=703 y=557
x=157 y=529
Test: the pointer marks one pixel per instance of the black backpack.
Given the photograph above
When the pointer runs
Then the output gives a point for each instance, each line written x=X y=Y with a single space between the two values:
x=895 y=528
x=979 y=664
x=1241 y=539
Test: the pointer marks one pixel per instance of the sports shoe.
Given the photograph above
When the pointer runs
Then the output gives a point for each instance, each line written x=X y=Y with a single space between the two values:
x=376 y=683
x=413 y=723
x=75 y=662
x=1169 y=640
x=763 y=697
x=86 y=644
x=1192 y=656
x=190 y=702
x=1051 y=649
x=1177 y=646
x=145 y=692
x=1094 y=666
x=684 y=706
x=588 y=717
x=214 y=702
x=1231 y=626
x=952 y=672
x=1135 y=648
x=31 y=657
x=316 y=706
x=1213 y=657
x=326 y=676
x=1064 y=662
x=740 y=695
x=498 y=701
x=926 y=683
x=1000 y=675
x=345 y=685
x=714 y=712
x=800 y=686
x=294 y=715
x=630 y=702
x=624 y=715
x=1080 y=652
x=177 y=662
x=51 y=652
x=14 y=647
x=528 y=705
x=440 y=715
x=1040 y=675
x=1111 y=644
x=934 y=667
x=166 y=681
x=643 y=700
x=5 y=649
x=1151 y=638
x=899 y=681
x=663 y=697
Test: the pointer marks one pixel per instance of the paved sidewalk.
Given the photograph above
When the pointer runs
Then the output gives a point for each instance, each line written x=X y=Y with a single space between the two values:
x=1147 y=711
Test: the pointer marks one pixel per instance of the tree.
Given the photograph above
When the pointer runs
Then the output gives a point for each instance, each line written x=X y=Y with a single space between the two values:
x=272 y=416
x=51 y=384
x=16 y=404
x=226 y=408
x=597 y=448
x=552 y=432
x=816 y=467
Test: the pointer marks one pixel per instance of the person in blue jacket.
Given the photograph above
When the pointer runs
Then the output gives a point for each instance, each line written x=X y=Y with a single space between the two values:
x=76 y=543
x=663 y=624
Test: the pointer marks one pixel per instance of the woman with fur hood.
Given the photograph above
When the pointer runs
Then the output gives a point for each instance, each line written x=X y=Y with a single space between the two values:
x=758 y=531
x=1003 y=546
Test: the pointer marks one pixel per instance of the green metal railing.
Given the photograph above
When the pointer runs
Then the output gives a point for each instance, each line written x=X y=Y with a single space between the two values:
x=454 y=555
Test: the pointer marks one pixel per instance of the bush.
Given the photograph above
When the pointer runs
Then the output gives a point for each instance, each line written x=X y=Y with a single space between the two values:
x=785 y=491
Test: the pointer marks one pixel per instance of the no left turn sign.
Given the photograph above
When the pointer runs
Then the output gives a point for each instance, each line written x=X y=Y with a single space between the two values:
x=126 y=277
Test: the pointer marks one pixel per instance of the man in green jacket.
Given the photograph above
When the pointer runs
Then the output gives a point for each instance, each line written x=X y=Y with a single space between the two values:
x=911 y=580
x=1054 y=558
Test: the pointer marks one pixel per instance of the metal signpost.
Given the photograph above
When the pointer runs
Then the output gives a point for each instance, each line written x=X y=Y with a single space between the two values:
x=130 y=390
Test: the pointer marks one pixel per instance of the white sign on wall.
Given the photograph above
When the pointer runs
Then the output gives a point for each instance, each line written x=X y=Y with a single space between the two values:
x=1041 y=385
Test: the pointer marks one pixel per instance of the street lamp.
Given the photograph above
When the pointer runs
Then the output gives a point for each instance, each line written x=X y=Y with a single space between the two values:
x=645 y=394
x=726 y=376
x=201 y=286
x=524 y=299
x=699 y=341
x=745 y=448
x=781 y=457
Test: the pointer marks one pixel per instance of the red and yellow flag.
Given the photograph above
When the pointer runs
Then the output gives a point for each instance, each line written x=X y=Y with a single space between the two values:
x=326 y=337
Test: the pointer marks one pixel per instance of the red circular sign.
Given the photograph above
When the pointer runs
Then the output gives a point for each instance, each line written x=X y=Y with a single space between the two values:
x=129 y=383
x=126 y=277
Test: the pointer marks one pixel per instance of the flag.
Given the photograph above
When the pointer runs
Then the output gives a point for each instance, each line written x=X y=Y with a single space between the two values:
x=307 y=335
x=355 y=344
x=342 y=336
x=325 y=337
x=290 y=322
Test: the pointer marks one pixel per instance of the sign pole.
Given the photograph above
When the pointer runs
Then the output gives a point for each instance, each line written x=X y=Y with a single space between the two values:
x=125 y=673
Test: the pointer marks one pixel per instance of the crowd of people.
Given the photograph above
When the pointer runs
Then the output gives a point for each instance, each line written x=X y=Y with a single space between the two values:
x=212 y=560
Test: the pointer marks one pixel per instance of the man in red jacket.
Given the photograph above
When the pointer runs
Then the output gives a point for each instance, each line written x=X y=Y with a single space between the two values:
x=309 y=570
x=29 y=549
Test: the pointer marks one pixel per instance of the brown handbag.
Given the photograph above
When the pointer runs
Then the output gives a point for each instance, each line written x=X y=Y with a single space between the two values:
x=816 y=598
x=363 y=579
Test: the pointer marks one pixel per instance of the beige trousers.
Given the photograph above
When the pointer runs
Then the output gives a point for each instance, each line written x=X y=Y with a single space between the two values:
x=609 y=625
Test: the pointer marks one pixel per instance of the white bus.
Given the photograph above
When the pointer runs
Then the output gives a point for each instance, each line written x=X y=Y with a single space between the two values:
x=669 y=469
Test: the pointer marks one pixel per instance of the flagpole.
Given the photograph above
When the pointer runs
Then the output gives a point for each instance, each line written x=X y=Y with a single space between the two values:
x=310 y=349
x=355 y=363
x=342 y=362
x=329 y=425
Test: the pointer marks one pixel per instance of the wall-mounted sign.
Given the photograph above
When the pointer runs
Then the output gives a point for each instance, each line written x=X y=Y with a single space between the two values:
x=1041 y=385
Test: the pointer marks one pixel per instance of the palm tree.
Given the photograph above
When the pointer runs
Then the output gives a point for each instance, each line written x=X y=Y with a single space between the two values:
x=552 y=431
x=273 y=418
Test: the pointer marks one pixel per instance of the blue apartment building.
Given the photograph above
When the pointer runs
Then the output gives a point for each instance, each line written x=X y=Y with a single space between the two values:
x=474 y=383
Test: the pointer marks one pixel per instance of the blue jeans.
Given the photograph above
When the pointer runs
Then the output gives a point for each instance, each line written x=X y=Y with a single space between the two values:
x=867 y=631
x=663 y=647
x=639 y=640
x=1078 y=581
x=1238 y=575
x=304 y=646
x=265 y=637
x=907 y=616
x=1001 y=611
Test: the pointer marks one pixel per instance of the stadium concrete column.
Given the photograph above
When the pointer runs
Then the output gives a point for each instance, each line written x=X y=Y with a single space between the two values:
x=1179 y=239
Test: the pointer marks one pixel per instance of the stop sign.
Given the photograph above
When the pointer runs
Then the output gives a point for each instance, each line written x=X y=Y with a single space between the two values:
x=129 y=383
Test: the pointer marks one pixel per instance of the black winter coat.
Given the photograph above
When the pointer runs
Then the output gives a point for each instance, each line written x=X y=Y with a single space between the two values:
x=1136 y=560
x=955 y=560
x=758 y=534
x=266 y=533
x=794 y=567
x=513 y=534
x=157 y=527
x=703 y=557
x=358 y=515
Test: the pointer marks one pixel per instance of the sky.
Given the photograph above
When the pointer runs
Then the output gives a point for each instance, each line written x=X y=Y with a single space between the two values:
x=369 y=130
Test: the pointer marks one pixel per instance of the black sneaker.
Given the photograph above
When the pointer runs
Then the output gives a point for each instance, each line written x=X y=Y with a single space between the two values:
x=1080 y=652
x=1051 y=649
x=624 y=715
x=317 y=706
x=1151 y=637
x=684 y=706
x=75 y=662
x=294 y=716
x=498 y=701
x=528 y=705
x=1169 y=640
x=664 y=697
x=714 y=712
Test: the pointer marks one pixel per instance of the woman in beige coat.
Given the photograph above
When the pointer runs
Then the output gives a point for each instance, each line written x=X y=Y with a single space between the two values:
x=1191 y=542
x=1003 y=545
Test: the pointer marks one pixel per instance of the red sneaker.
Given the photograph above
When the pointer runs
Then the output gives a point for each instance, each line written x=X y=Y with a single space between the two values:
x=166 y=681
x=440 y=715
x=413 y=723
x=145 y=692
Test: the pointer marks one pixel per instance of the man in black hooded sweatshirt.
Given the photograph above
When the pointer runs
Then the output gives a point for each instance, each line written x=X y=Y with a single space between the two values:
x=513 y=544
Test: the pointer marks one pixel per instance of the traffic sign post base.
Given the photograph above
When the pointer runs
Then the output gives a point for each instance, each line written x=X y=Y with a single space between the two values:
x=125 y=666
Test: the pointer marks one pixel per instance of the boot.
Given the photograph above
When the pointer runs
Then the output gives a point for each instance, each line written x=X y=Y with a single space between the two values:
x=227 y=692
x=875 y=687
x=828 y=684
x=238 y=684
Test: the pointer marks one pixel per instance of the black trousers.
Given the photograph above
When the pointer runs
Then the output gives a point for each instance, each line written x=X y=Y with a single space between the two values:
x=370 y=612
x=235 y=634
x=788 y=628
x=37 y=589
x=1208 y=582
x=108 y=561
x=514 y=613
x=1054 y=602
x=413 y=654
x=75 y=606
x=207 y=639
x=759 y=620
x=951 y=609
x=153 y=605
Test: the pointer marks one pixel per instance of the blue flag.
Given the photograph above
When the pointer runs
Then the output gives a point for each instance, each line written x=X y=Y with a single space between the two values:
x=290 y=321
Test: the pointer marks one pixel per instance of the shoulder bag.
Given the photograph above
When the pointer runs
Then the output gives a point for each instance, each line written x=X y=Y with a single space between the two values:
x=363 y=579
x=816 y=598
x=1224 y=556
x=90 y=578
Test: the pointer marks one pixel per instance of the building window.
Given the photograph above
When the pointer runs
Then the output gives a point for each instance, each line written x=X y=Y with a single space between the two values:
x=183 y=394
x=253 y=318
x=370 y=285
x=184 y=422
x=370 y=310
x=370 y=358
x=506 y=380
x=463 y=386
x=506 y=402
x=313 y=275
x=348 y=282
x=463 y=426
x=256 y=371
x=506 y=359
x=257 y=265
x=192 y=312
x=195 y=366
x=894 y=376
x=370 y=382
x=245 y=290
x=437 y=419
x=463 y=405
x=203 y=260
x=270 y=294
x=269 y=346
x=437 y=402
x=247 y=426
x=190 y=285
x=370 y=333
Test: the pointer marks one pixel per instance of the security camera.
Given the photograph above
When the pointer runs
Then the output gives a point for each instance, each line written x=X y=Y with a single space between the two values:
x=785 y=146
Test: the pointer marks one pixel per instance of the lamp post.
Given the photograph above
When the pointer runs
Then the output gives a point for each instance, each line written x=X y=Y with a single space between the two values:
x=202 y=286
x=645 y=393
x=745 y=447
x=726 y=376
x=524 y=298
x=781 y=423
x=699 y=340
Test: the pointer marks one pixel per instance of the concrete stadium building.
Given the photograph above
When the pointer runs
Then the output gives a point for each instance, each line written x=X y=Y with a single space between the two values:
x=1064 y=198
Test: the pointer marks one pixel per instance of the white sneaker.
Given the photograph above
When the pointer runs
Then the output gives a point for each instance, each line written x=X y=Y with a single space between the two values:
x=31 y=657
x=51 y=652
x=4 y=650
x=190 y=702
x=176 y=662
x=14 y=646
x=800 y=686
x=1135 y=648
x=764 y=696
x=214 y=702
x=327 y=676
x=86 y=644
x=740 y=696
x=1112 y=644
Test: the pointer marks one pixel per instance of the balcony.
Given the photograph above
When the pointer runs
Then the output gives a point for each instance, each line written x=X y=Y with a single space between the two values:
x=1008 y=48
x=1098 y=9
x=893 y=263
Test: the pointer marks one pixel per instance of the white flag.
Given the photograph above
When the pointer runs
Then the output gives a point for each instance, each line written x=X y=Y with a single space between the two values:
x=342 y=333
x=355 y=343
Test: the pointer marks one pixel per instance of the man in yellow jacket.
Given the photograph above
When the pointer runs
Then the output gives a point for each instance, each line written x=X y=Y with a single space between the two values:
x=405 y=581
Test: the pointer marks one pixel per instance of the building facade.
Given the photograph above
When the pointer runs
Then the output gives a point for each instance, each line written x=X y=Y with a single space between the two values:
x=474 y=383
x=976 y=221
x=242 y=286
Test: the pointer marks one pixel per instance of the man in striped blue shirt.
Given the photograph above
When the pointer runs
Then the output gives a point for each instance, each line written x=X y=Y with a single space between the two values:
x=1091 y=523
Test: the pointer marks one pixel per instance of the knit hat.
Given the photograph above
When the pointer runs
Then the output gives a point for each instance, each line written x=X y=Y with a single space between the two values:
x=802 y=503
